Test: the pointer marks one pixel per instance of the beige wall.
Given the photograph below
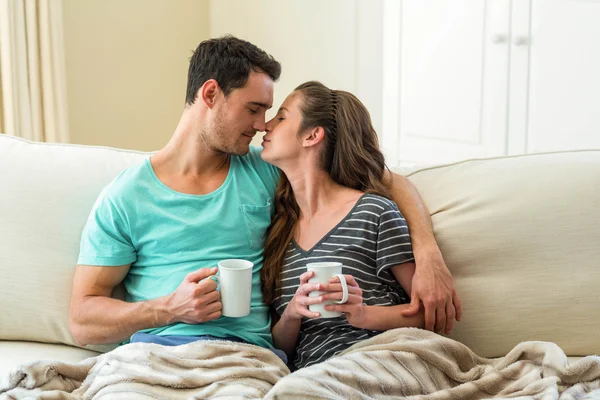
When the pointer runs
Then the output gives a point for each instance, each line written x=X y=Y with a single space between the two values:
x=126 y=64
x=127 y=60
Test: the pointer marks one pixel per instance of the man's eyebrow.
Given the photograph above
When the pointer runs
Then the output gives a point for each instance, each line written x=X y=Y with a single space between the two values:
x=256 y=103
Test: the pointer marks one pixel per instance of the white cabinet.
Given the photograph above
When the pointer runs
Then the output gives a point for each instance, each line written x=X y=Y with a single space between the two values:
x=563 y=89
x=471 y=78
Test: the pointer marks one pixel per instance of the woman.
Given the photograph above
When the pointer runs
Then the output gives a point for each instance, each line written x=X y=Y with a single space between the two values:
x=332 y=205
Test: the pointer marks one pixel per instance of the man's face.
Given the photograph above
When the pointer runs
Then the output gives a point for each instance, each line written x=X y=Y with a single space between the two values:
x=241 y=114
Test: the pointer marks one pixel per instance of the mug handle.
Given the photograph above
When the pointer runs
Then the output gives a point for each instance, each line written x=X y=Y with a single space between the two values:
x=342 y=279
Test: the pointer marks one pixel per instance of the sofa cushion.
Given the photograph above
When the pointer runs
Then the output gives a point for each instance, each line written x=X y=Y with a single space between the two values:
x=17 y=353
x=521 y=235
x=46 y=194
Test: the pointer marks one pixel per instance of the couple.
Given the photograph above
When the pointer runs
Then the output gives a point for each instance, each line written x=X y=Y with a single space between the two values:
x=161 y=226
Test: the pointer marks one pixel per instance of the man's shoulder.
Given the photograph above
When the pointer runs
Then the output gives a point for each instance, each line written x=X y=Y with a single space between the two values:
x=254 y=159
x=259 y=168
x=124 y=185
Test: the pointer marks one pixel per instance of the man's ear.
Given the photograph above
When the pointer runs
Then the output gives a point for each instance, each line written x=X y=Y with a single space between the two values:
x=313 y=137
x=209 y=92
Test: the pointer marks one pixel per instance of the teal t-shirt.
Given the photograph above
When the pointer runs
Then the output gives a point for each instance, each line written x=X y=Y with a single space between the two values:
x=165 y=235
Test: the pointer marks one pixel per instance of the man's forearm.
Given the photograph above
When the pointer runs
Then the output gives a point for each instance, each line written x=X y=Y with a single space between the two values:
x=101 y=320
x=406 y=196
x=432 y=284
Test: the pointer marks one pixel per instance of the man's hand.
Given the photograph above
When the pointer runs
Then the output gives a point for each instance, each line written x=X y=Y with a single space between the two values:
x=433 y=285
x=196 y=299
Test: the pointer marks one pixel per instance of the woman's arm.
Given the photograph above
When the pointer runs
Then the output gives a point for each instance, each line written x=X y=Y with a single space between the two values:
x=379 y=318
x=286 y=330
x=285 y=334
x=382 y=318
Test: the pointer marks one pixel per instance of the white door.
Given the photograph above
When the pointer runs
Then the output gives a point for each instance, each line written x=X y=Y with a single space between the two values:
x=453 y=80
x=555 y=99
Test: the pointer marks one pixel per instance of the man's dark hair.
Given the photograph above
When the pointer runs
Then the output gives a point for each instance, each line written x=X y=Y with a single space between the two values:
x=228 y=60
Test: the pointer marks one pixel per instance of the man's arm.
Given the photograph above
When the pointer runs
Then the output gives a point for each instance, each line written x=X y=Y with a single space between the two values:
x=96 y=318
x=432 y=283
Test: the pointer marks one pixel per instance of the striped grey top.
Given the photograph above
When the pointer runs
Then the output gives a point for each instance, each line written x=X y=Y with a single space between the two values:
x=372 y=238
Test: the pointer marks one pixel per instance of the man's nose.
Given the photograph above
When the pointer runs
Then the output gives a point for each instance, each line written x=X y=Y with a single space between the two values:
x=260 y=125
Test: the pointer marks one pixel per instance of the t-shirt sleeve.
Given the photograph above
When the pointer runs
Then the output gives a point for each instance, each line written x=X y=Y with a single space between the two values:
x=393 y=240
x=268 y=173
x=106 y=238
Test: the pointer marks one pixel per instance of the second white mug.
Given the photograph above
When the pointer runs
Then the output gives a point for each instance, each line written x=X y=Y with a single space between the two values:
x=323 y=271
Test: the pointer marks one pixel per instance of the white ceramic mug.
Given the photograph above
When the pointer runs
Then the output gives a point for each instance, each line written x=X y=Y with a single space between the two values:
x=323 y=272
x=235 y=284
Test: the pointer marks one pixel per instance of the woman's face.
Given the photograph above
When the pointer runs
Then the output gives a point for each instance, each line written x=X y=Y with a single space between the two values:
x=282 y=144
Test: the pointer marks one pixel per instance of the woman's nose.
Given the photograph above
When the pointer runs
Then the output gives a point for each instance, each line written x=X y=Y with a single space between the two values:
x=269 y=126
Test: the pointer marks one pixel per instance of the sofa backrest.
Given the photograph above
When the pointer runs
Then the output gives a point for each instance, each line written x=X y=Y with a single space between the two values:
x=521 y=236
x=46 y=194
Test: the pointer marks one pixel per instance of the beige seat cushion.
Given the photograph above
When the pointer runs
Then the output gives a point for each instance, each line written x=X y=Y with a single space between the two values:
x=521 y=236
x=13 y=354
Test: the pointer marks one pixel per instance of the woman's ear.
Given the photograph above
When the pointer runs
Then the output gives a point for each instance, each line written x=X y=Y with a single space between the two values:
x=313 y=137
x=209 y=92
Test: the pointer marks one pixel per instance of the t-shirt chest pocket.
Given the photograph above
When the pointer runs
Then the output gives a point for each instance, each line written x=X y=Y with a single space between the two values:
x=256 y=220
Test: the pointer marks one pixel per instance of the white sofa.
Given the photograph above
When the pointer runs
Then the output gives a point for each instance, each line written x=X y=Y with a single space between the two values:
x=521 y=235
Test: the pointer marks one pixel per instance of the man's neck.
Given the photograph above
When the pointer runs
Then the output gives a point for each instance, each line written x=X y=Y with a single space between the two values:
x=188 y=164
x=188 y=153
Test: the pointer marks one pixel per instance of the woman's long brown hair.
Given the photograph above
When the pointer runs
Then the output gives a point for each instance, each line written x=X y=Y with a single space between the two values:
x=351 y=156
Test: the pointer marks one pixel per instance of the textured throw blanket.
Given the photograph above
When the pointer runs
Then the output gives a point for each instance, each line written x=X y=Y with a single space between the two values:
x=402 y=363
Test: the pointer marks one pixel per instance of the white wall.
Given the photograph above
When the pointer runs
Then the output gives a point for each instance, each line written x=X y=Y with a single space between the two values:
x=126 y=64
x=337 y=42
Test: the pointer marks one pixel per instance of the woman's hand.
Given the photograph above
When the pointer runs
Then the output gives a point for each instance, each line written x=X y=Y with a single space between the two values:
x=354 y=307
x=298 y=306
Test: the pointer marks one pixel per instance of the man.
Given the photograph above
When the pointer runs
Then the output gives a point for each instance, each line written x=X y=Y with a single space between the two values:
x=161 y=227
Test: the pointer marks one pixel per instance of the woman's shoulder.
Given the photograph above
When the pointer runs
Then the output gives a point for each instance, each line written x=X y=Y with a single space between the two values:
x=387 y=213
x=378 y=203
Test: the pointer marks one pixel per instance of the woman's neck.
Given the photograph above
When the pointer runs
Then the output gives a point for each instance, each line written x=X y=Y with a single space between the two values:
x=314 y=190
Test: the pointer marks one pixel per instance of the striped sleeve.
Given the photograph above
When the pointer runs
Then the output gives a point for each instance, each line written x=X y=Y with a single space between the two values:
x=393 y=240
